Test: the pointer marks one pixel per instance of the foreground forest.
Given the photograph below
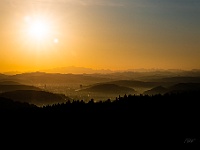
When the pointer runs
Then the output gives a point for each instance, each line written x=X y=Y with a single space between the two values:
x=173 y=116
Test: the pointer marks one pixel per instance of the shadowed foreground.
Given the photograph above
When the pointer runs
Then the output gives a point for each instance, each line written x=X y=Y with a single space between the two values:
x=169 y=118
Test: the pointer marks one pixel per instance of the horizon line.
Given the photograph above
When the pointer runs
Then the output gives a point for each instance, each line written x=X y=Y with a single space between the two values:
x=98 y=71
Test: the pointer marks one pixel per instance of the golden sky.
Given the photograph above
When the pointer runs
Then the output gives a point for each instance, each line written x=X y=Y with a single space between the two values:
x=99 y=34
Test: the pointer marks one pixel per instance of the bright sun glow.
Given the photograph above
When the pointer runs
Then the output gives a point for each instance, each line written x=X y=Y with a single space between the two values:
x=38 y=29
x=40 y=33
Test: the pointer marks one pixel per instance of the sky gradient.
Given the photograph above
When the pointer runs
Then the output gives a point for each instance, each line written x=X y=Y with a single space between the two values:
x=101 y=34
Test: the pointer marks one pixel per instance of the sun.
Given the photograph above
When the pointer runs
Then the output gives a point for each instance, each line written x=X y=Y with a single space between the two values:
x=38 y=29
x=40 y=32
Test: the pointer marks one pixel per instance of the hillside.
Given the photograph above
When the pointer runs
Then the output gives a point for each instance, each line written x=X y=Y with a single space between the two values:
x=180 y=87
x=39 y=98
x=156 y=90
x=136 y=84
x=2 y=76
x=184 y=87
x=181 y=79
x=9 y=83
x=6 y=86
x=109 y=89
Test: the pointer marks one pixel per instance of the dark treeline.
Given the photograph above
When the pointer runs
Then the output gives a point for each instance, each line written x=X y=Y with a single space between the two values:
x=168 y=103
x=170 y=117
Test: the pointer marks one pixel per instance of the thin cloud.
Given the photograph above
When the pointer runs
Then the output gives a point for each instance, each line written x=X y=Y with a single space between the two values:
x=112 y=3
x=99 y=2
x=172 y=4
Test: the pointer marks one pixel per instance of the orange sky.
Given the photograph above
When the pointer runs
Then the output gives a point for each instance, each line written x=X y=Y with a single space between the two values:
x=106 y=34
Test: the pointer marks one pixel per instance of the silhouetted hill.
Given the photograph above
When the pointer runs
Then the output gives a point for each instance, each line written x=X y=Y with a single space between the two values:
x=181 y=79
x=109 y=88
x=2 y=76
x=185 y=87
x=38 y=98
x=180 y=87
x=156 y=90
x=134 y=83
x=9 y=83
x=6 y=86
x=139 y=86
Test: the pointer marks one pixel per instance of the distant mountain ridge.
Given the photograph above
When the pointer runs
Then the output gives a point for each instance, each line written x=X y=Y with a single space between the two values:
x=77 y=70
x=36 y=78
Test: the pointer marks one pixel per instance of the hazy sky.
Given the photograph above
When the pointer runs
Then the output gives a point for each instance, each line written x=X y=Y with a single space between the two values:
x=100 y=34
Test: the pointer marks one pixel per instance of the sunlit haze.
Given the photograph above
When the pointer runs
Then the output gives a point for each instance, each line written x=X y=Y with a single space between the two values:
x=99 y=34
x=38 y=29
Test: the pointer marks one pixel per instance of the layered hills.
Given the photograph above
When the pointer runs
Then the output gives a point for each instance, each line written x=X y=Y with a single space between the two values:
x=29 y=94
